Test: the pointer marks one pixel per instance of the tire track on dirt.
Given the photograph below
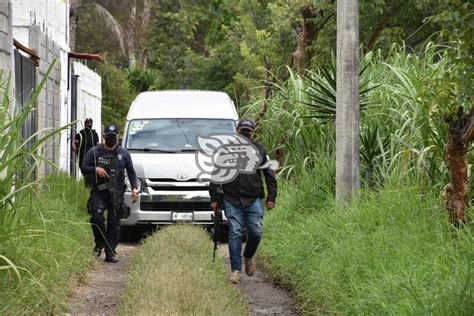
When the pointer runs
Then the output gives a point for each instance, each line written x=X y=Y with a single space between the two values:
x=100 y=294
x=264 y=297
x=103 y=286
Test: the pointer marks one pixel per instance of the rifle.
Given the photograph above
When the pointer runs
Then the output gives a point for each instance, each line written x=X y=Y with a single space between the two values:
x=217 y=219
x=111 y=186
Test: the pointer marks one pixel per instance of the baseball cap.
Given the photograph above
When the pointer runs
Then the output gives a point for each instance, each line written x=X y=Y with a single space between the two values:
x=246 y=124
x=111 y=129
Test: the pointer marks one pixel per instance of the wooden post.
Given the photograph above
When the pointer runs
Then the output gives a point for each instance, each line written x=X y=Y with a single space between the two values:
x=347 y=104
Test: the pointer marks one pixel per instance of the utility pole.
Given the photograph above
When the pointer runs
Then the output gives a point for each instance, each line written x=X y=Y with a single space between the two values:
x=347 y=101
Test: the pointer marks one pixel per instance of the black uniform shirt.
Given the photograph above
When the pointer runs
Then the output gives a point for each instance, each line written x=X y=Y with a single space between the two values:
x=85 y=140
x=99 y=156
x=246 y=188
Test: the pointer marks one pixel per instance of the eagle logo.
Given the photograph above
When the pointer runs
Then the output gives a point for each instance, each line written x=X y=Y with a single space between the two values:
x=222 y=158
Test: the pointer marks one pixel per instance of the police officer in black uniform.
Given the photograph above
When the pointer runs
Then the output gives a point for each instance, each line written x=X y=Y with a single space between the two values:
x=85 y=140
x=106 y=163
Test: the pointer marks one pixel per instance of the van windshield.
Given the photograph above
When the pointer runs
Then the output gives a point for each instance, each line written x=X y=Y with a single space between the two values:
x=174 y=135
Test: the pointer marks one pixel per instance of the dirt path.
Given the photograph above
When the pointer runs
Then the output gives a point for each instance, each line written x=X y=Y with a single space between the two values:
x=263 y=296
x=100 y=294
x=104 y=285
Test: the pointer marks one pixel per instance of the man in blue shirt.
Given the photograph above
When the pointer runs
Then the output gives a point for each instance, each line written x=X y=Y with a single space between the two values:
x=106 y=164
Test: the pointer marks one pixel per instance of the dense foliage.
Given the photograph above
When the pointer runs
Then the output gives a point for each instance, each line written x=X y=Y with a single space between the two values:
x=392 y=251
x=44 y=231
x=233 y=45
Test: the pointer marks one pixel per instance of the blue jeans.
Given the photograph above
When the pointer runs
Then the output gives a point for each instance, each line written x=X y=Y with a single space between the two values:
x=237 y=218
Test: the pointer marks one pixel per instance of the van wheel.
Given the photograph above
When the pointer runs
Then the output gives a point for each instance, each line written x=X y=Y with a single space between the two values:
x=129 y=234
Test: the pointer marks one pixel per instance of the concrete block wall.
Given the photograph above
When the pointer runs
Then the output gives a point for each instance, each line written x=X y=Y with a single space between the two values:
x=6 y=45
x=6 y=36
x=43 y=25
x=49 y=100
x=51 y=15
x=89 y=96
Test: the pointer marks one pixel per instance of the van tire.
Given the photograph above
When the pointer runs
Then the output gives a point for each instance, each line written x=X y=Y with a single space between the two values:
x=129 y=234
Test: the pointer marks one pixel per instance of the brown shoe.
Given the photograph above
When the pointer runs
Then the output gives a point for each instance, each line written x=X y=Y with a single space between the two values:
x=235 y=277
x=250 y=267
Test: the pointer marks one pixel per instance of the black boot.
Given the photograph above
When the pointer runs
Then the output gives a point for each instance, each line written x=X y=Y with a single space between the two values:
x=97 y=251
x=111 y=257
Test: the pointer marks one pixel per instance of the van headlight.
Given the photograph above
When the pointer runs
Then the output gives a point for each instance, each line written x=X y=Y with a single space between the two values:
x=129 y=185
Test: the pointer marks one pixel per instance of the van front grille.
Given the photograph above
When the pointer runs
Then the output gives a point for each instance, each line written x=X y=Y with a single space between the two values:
x=171 y=180
x=178 y=188
x=170 y=206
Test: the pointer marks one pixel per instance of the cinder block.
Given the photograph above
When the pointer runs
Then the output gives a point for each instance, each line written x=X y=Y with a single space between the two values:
x=6 y=43
x=4 y=27
x=34 y=37
x=4 y=6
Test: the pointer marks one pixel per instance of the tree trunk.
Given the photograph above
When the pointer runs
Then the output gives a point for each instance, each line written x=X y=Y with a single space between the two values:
x=267 y=88
x=73 y=20
x=309 y=31
x=131 y=36
x=456 y=193
x=389 y=14
x=347 y=101
x=303 y=54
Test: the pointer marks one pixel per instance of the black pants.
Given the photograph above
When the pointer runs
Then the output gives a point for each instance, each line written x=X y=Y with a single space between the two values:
x=105 y=237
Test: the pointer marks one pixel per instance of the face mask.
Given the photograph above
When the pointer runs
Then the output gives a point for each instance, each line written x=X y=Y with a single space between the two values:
x=246 y=134
x=111 y=140
x=89 y=126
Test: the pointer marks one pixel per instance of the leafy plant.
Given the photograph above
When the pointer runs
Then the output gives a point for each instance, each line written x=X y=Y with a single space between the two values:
x=373 y=146
x=321 y=91
x=142 y=79
x=37 y=259
x=20 y=159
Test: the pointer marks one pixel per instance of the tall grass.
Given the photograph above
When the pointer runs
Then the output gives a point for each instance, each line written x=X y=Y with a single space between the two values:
x=173 y=274
x=47 y=238
x=403 y=118
x=392 y=252
x=44 y=237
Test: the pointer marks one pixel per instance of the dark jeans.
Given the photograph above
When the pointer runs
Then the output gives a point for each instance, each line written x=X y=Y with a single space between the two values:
x=107 y=238
x=237 y=218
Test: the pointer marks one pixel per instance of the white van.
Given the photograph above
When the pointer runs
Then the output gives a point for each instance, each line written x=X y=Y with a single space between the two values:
x=161 y=135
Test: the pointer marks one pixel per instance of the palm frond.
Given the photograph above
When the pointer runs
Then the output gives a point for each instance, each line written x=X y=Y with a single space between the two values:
x=111 y=24
x=321 y=91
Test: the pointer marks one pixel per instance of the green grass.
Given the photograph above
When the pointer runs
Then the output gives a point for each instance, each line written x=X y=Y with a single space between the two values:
x=391 y=253
x=46 y=235
x=173 y=274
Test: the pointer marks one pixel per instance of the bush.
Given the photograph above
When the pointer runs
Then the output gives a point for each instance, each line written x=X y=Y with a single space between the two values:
x=47 y=239
x=44 y=236
x=392 y=252
x=118 y=94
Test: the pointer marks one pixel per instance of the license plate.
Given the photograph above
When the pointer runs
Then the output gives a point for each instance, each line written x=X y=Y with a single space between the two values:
x=182 y=216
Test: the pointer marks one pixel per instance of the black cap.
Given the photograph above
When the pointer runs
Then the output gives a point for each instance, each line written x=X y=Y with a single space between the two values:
x=111 y=129
x=246 y=124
